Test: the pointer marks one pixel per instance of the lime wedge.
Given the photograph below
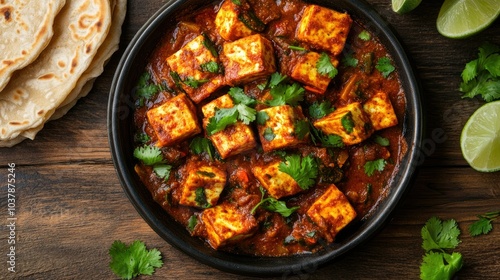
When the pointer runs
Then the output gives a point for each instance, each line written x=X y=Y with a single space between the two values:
x=404 y=6
x=480 y=139
x=463 y=18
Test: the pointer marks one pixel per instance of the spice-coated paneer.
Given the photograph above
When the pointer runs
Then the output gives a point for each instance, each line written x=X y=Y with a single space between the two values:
x=278 y=184
x=226 y=224
x=234 y=139
x=306 y=71
x=380 y=111
x=324 y=29
x=203 y=185
x=331 y=211
x=190 y=68
x=174 y=121
x=350 y=122
x=228 y=23
x=248 y=59
x=279 y=129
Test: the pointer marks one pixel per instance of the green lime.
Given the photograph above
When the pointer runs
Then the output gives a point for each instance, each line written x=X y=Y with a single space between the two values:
x=404 y=6
x=480 y=139
x=463 y=18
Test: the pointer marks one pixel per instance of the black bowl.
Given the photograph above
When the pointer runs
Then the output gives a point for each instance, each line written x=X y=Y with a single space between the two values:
x=120 y=126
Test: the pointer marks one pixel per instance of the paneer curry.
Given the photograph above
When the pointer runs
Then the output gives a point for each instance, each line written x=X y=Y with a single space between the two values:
x=268 y=127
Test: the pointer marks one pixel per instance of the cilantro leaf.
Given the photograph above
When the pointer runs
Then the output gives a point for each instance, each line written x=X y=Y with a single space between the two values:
x=201 y=198
x=276 y=79
x=325 y=66
x=194 y=83
x=330 y=140
x=239 y=97
x=246 y=114
x=262 y=117
x=201 y=145
x=274 y=205
x=269 y=134
x=384 y=142
x=437 y=234
x=301 y=129
x=481 y=76
x=145 y=89
x=384 y=66
x=439 y=265
x=286 y=94
x=209 y=44
x=364 y=35
x=348 y=122
x=149 y=155
x=192 y=222
x=349 y=60
x=211 y=67
x=228 y=116
x=303 y=170
x=484 y=224
x=128 y=262
x=141 y=138
x=319 y=110
x=162 y=170
x=374 y=165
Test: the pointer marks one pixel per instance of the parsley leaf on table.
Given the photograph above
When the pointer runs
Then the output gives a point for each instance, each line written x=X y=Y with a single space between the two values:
x=149 y=155
x=437 y=236
x=325 y=66
x=483 y=225
x=374 y=165
x=384 y=66
x=303 y=170
x=482 y=75
x=130 y=261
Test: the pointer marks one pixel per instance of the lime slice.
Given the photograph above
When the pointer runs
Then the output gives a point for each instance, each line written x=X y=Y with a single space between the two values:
x=480 y=139
x=463 y=18
x=404 y=6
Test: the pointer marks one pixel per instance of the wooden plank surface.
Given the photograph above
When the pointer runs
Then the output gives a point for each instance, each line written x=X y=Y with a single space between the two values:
x=70 y=206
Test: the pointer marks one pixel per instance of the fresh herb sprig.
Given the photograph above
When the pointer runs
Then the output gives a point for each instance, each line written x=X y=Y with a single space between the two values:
x=384 y=66
x=439 y=236
x=129 y=261
x=484 y=225
x=374 y=165
x=481 y=76
x=304 y=170
x=283 y=93
x=152 y=155
x=274 y=205
x=325 y=66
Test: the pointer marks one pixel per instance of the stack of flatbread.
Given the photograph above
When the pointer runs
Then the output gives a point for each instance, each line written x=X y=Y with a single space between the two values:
x=51 y=51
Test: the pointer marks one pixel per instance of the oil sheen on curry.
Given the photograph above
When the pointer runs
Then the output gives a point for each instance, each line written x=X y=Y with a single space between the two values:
x=268 y=128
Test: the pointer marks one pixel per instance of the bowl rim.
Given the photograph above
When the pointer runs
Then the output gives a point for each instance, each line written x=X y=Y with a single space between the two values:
x=252 y=265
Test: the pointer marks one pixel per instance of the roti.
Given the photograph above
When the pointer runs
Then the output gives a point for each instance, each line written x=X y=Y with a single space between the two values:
x=26 y=30
x=86 y=81
x=34 y=92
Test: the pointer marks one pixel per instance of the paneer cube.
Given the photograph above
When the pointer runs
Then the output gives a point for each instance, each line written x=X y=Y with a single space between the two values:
x=350 y=122
x=226 y=224
x=234 y=139
x=306 y=71
x=331 y=211
x=174 y=121
x=189 y=63
x=279 y=129
x=203 y=185
x=324 y=29
x=248 y=59
x=380 y=111
x=228 y=24
x=278 y=184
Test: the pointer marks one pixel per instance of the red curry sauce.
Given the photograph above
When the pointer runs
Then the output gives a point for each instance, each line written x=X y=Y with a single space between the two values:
x=276 y=235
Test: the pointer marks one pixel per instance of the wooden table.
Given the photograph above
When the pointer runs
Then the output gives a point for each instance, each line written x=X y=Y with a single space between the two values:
x=70 y=206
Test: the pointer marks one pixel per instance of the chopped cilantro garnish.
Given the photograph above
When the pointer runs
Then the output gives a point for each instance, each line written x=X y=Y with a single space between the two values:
x=262 y=117
x=131 y=261
x=239 y=97
x=482 y=75
x=192 y=82
x=304 y=170
x=319 y=110
x=201 y=198
x=364 y=35
x=384 y=142
x=349 y=60
x=325 y=66
x=484 y=224
x=269 y=134
x=202 y=145
x=374 y=165
x=437 y=236
x=149 y=155
x=192 y=222
x=228 y=116
x=162 y=170
x=329 y=141
x=384 y=66
x=276 y=79
x=209 y=44
x=283 y=93
x=211 y=67
x=141 y=138
x=301 y=129
x=348 y=122
x=274 y=205
x=145 y=89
